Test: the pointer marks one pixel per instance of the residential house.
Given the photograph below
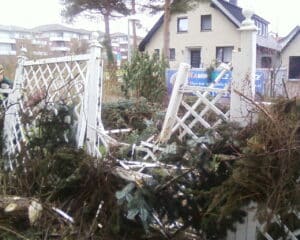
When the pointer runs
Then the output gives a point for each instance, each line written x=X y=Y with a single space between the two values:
x=209 y=34
x=290 y=59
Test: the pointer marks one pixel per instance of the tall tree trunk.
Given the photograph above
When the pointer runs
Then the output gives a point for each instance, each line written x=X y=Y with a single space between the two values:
x=133 y=26
x=107 y=40
x=167 y=18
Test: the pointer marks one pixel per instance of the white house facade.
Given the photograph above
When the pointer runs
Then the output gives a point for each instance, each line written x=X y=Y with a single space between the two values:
x=209 y=34
x=290 y=60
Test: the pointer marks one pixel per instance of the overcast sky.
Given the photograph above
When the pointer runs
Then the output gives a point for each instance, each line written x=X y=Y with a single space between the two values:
x=283 y=15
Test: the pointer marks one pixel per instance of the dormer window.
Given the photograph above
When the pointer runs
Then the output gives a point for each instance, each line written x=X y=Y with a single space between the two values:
x=262 y=28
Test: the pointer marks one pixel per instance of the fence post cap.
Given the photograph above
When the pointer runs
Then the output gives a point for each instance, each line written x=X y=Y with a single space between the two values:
x=94 y=40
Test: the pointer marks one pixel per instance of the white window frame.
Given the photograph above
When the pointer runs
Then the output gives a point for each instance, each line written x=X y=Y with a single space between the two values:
x=223 y=50
x=294 y=78
x=172 y=54
x=204 y=18
x=182 y=24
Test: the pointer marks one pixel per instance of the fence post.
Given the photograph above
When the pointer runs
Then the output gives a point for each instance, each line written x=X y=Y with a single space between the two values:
x=11 y=136
x=92 y=95
x=174 y=103
x=243 y=75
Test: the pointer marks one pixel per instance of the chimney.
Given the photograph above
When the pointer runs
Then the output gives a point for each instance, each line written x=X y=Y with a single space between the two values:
x=234 y=2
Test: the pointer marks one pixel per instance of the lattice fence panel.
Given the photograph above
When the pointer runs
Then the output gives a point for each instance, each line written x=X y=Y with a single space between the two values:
x=73 y=81
x=206 y=111
x=190 y=108
x=292 y=232
x=194 y=107
x=57 y=81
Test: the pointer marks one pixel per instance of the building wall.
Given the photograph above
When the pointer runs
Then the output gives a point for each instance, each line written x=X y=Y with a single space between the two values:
x=267 y=53
x=223 y=34
x=293 y=49
x=7 y=43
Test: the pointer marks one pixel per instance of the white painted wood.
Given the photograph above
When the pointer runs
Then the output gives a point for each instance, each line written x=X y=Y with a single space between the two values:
x=92 y=93
x=73 y=80
x=83 y=57
x=192 y=89
x=243 y=74
x=174 y=103
x=225 y=68
x=12 y=131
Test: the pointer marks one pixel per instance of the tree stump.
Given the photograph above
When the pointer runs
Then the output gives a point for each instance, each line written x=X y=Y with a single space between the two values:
x=19 y=209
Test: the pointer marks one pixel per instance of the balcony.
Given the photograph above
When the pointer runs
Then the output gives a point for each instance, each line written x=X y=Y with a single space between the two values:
x=40 y=53
x=39 y=42
x=123 y=42
x=60 y=49
x=123 y=50
x=59 y=39
x=7 y=40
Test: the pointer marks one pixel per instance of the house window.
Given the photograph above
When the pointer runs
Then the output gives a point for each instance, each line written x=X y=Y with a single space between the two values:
x=262 y=28
x=266 y=62
x=294 y=67
x=224 y=54
x=205 y=22
x=182 y=24
x=172 y=54
x=156 y=52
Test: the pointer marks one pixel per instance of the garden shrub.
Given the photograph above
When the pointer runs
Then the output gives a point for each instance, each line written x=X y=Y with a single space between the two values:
x=144 y=77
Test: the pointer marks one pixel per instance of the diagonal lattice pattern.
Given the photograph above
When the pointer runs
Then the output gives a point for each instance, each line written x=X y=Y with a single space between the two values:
x=48 y=83
x=204 y=110
x=202 y=107
x=59 y=80
x=191 y=108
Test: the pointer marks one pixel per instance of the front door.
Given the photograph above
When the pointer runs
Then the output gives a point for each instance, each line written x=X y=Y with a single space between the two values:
x=195 y=58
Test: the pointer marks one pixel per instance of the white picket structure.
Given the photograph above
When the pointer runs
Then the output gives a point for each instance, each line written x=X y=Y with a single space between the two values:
x=183 y=122
x=182 y=117
x=74 y=81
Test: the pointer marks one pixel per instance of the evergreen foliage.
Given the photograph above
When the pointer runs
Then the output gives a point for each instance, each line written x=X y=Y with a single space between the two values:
x=204 y=194
x=177 y=6
x=107 y=8
x=144 y=77
x=257 y=164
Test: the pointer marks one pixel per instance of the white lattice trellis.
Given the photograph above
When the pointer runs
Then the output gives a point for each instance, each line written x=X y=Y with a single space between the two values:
x=192 y=114
x=73 y=81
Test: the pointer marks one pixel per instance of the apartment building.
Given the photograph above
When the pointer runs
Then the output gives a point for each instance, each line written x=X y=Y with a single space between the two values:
x=61 y=40
x=121 y=44
x=45 y=40
x=9 y=35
